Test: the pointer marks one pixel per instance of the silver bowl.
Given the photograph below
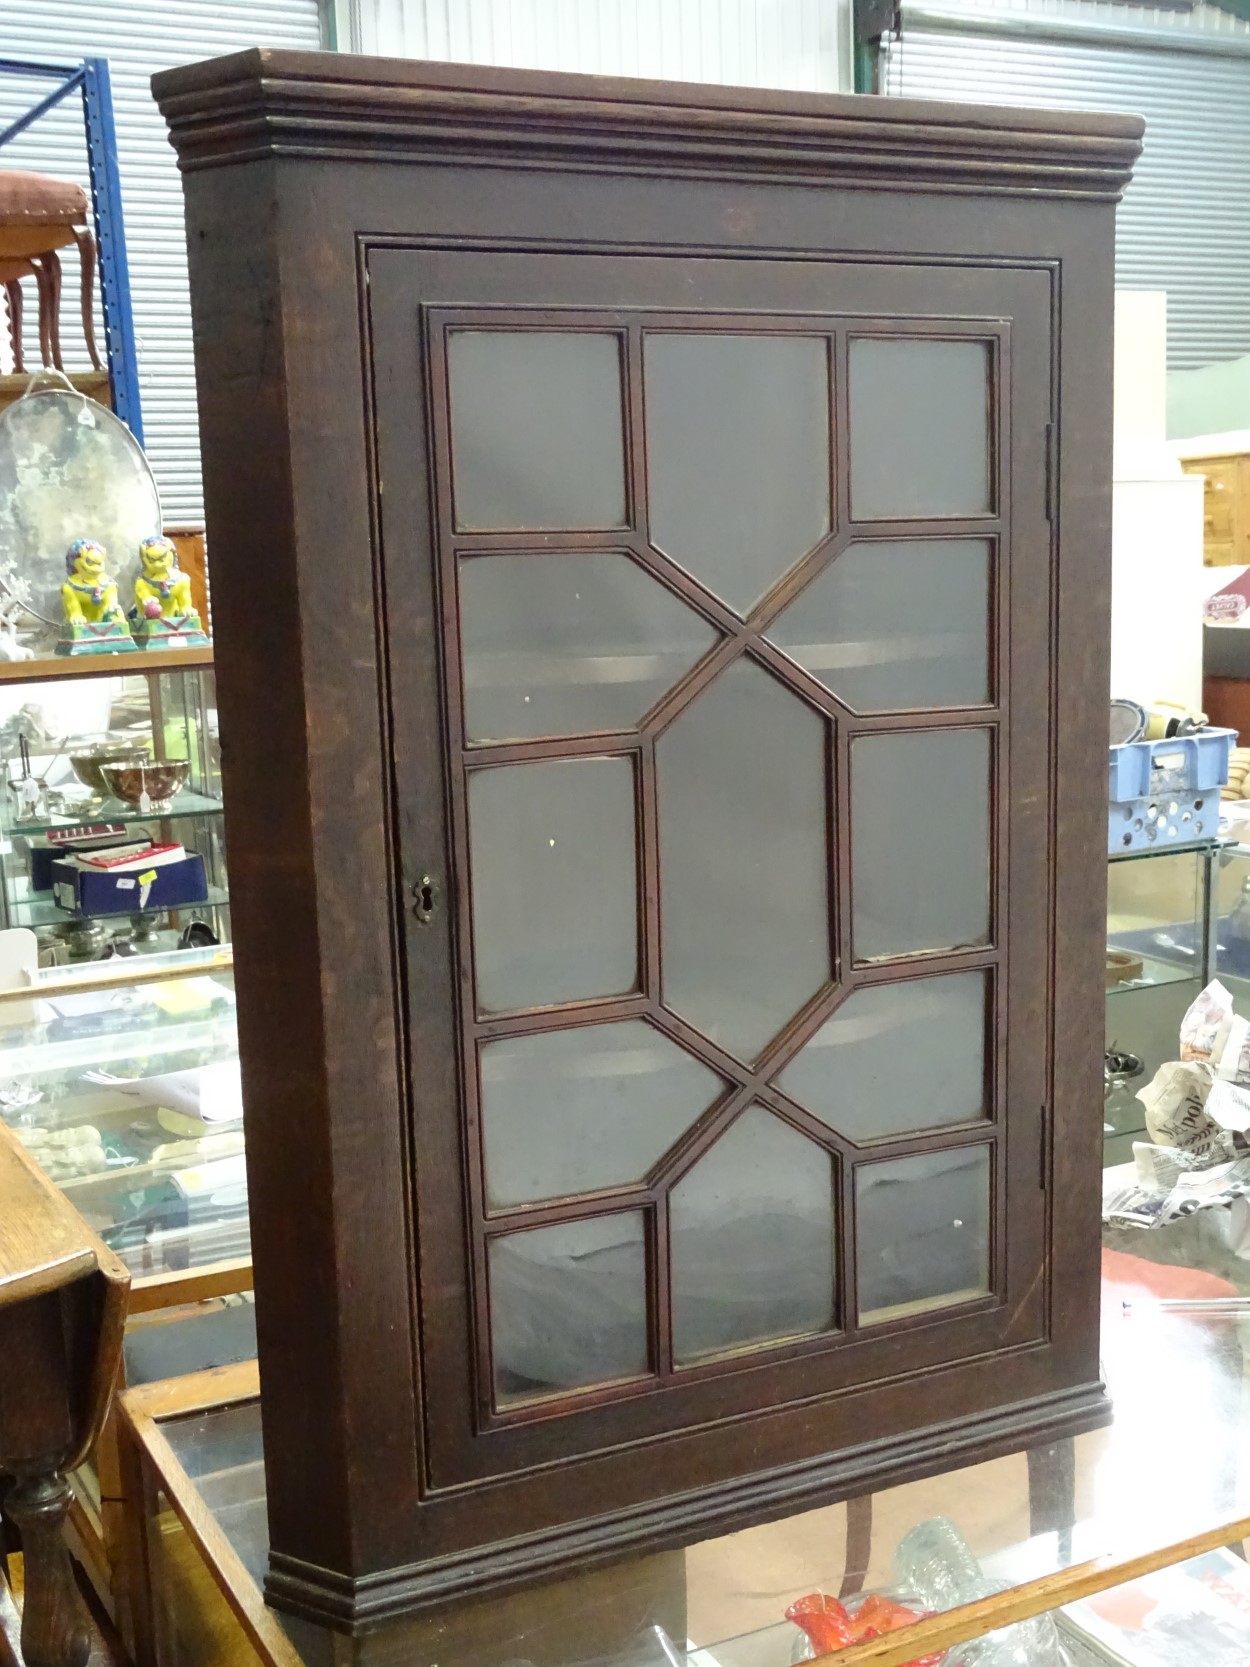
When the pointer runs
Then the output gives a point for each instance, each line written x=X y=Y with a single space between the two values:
x=88 y=763
x=146 y=787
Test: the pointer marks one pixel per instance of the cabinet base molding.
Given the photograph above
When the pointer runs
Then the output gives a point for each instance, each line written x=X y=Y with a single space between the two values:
x=356 y=1605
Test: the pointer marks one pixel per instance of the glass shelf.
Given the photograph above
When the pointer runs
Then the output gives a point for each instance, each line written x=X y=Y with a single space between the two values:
x=123 y=972
x=1150 y=852
x=38 y=909
x=182 y=805
x=55 y=1050
x=1154 y=971
x=1085 y=1510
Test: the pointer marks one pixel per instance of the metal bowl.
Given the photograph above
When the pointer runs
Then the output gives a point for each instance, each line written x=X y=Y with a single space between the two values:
x=147 y=788
x=88 y=763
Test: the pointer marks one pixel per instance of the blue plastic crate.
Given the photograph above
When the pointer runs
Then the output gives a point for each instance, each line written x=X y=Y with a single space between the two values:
x=1167 y=792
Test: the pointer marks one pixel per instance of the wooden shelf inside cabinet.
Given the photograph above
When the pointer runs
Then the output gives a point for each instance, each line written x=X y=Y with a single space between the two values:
x=106 y=665
x=1054 y=1524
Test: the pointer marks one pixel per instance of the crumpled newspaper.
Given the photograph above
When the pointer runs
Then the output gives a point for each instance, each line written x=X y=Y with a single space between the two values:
x=1198 y=1116
x=1204 y=1029
x=1213 y=1034
x=1179 y=1112
x=1167 y=1184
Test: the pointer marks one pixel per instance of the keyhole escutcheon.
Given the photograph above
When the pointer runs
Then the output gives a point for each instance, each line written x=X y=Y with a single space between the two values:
x=424 y=899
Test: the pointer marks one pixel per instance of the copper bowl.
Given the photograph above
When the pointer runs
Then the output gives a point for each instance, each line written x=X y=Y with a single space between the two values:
x=147 y=788
x=88 y=763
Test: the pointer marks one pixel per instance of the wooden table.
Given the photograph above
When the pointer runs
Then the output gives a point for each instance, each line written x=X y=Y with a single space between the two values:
x=62 y=1309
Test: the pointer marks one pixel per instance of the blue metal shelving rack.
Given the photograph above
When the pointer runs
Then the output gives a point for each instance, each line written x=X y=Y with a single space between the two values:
x=91 y=79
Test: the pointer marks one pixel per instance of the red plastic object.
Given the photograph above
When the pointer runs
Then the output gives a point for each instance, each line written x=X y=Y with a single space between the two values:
x=832 y=1627
x=824 y=1620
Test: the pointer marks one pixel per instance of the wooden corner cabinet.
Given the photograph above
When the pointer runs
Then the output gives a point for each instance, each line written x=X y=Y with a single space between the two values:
x=661 y=585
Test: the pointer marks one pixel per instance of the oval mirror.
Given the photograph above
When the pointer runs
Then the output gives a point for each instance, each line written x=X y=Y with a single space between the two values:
x=69 y=469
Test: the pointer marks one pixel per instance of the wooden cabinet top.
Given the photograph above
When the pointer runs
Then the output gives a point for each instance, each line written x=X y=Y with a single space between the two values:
x=263 y=103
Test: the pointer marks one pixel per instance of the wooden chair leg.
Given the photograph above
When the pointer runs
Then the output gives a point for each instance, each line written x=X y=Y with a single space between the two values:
x=86 y=260
x=13 y=295
x=52 y=262
x=42 y=281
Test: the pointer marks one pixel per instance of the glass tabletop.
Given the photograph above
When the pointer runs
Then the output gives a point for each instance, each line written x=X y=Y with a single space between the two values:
x=1173 y=1464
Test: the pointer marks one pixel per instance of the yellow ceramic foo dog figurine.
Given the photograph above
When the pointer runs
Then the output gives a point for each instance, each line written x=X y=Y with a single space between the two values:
x=94 y=621
x=163 y=614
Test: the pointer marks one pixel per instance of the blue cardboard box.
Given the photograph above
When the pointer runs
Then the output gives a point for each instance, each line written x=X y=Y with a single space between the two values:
x=45 y=849
x=82 y=890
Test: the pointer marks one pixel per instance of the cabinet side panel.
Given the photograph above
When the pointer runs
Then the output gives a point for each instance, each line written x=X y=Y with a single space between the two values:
x=1082 y=616
x=293 y=603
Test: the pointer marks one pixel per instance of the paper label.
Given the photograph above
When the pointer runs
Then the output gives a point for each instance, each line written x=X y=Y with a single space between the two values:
x=218 y=1175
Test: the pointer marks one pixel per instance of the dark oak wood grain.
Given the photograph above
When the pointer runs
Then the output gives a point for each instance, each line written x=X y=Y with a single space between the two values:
x=378 y=207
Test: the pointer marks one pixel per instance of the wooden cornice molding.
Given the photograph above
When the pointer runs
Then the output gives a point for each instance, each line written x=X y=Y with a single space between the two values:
x=311 y=104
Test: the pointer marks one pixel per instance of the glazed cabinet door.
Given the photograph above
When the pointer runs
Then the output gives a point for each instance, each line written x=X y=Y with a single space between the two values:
x=718 y=611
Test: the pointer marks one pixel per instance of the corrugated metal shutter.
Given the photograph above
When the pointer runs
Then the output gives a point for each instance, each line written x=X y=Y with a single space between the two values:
x=1184 y=225
x=138 y=38
x=745 y=43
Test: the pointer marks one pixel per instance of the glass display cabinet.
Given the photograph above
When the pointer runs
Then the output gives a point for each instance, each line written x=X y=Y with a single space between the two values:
x=685 y=701
x=1231 y=963
x=104 y=753
x=119 y=1065
x=1175 y=920
x=121 y=1080
x=1044 y=1534
x=1162 y=909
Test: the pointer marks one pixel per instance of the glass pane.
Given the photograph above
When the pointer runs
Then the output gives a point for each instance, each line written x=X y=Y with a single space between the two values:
x=164 y=1205
x=1155 y=915
x=920 y=428
x=568 y=1306
x=922 y=1232
x=536 y=429
x=895 y=627
x=920 y=839
x=737 y=456
x=896 y=1058
x=744 y=896
x=752 y=1240
x=555 y=882
x=570 y=1111
x=568 y=644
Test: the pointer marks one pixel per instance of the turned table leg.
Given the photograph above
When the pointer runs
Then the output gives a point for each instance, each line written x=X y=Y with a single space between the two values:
x=54 y=1625
x=36 y=1439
